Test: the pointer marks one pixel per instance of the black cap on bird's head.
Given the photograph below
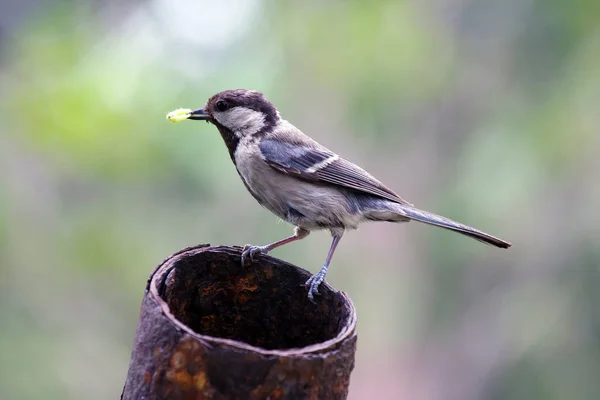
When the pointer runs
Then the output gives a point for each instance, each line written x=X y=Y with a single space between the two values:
x=250 y=99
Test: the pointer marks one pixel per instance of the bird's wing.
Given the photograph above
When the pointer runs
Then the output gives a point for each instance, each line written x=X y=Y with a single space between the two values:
x=318 y=164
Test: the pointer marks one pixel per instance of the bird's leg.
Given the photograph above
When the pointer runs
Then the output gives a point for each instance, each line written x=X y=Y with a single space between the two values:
x=314 y=281
x=250 y=251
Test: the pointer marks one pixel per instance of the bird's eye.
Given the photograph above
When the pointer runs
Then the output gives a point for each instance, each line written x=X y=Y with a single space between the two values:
x=222 y=105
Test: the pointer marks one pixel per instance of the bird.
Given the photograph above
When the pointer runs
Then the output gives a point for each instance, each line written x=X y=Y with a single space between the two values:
x=303 y=182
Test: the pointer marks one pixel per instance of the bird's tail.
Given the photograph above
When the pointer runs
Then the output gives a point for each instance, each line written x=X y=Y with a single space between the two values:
x=443 y=222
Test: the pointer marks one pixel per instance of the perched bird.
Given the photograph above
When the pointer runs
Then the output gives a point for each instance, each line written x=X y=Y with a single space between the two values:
x=303 y=182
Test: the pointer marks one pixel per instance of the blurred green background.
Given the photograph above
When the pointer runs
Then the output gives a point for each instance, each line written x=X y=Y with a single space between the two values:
x=484 y=111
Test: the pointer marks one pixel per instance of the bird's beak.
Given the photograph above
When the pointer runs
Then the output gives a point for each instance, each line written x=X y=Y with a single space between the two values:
x=185 y=113
x=199 y=115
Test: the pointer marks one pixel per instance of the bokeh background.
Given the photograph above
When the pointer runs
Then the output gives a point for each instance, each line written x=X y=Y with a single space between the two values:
x=485 y=111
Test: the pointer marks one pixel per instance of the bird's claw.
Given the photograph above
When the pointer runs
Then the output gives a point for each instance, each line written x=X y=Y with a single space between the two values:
x=249 y=252
x=313 y=284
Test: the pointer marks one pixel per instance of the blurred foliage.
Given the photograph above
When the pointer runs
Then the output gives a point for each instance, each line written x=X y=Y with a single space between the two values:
x=484 y=111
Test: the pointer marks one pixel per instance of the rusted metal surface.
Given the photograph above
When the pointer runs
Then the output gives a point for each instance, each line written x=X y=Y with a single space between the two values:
x=210 y=328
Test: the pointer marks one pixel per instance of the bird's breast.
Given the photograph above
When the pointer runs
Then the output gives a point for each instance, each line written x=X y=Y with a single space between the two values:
x=260 y=179
x=306 y=204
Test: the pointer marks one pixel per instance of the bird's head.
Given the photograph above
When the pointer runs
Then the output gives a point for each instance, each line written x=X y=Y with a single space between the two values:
x=243 y=112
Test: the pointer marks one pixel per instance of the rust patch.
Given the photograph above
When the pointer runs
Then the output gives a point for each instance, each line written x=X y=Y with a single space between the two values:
x=147 y=377
x=199 y=381
x=180 y=378
x=178 y=360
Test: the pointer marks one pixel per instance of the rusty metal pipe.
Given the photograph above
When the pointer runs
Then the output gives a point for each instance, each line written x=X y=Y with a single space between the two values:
x=210 y=328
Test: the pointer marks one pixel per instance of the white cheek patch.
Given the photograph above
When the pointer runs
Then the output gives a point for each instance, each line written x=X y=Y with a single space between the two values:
x=241 y=120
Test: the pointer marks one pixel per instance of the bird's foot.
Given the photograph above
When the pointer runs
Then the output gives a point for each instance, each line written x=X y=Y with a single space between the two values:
x=249 y=252
x=314 y=282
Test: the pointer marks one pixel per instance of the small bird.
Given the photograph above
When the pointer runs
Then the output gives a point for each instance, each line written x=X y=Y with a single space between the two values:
x=303 y=182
